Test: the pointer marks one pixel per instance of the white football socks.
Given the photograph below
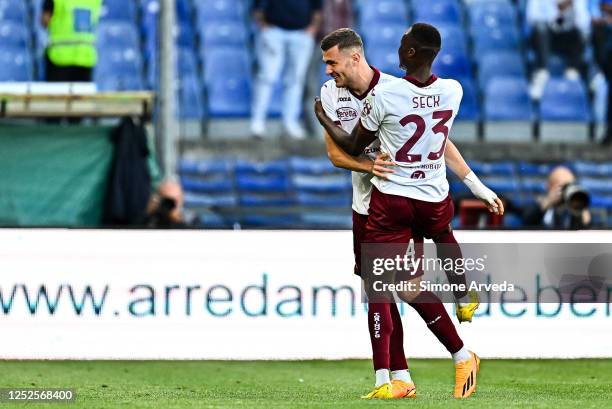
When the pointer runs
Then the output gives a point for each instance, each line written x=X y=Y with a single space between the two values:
x=382 y=377
x=462 y=355
x=402 y=375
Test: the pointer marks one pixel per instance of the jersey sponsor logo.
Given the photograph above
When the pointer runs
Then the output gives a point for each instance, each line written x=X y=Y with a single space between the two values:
x=419 y=174
x=371 y=150
x=344 y=99
x=346 y=114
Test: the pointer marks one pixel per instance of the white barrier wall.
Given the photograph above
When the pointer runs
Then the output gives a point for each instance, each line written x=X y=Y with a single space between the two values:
x=87 y=294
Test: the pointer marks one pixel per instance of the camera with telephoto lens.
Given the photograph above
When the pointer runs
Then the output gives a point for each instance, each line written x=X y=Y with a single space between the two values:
x=575 y=197
x=162 y=216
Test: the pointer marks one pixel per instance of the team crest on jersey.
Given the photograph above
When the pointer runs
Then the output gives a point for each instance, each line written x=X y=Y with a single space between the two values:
x=346 y=114
x=367 y=108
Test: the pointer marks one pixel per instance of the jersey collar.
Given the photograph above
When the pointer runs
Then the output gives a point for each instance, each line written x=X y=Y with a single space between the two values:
x=373 y=83
x=419 y=83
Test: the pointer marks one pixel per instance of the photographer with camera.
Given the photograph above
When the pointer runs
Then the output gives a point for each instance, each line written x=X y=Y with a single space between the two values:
x=165 y=208
x=564 y=207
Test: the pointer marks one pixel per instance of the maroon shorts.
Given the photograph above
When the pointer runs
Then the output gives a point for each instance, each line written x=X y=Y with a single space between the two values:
x=359 y=230
x=397 y=219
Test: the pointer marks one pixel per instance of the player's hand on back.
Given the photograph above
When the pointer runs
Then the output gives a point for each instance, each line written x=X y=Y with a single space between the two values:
x=382 y=166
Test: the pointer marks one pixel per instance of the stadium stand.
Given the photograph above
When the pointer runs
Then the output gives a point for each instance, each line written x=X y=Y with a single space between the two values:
x=485 y=48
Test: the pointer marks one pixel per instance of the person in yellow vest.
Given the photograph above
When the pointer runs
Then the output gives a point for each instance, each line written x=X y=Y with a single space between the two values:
x=71 y=51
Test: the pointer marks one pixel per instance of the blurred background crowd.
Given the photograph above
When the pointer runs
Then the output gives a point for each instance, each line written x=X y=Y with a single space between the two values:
x=534 y=121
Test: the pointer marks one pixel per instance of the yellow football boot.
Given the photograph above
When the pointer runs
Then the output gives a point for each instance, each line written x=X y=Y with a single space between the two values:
x=384 y=391
x=465 y=376
x=465 y=311
x=401 y=389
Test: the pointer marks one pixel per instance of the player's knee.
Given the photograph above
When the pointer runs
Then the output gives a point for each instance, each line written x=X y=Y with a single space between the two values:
x=412 y=291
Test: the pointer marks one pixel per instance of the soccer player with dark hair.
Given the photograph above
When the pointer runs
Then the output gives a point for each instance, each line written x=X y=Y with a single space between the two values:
x=407 y=119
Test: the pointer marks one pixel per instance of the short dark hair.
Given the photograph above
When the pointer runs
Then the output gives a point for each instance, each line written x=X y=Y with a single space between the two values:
x=426 y=35
x=343 y=37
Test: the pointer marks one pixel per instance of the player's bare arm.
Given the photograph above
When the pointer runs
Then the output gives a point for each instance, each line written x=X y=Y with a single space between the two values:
x=352 y=143
x=341 y=159
x=454 y=160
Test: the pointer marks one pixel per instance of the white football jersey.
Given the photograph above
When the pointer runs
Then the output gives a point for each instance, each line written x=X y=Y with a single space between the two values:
x=413 y=121
x=344 y=108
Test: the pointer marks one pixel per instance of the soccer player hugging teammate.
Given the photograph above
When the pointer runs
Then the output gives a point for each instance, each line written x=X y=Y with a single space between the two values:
x=406 y=119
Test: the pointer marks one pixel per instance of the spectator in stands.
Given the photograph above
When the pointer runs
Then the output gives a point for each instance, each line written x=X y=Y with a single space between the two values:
x=560 y=27
x=336 y=14
x=285 y=43
x=165 y=208
x=71 y=53
x=602 y=44
x=565 y=205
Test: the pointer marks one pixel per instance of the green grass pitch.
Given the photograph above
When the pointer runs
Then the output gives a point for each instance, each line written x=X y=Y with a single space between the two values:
x=576 y=384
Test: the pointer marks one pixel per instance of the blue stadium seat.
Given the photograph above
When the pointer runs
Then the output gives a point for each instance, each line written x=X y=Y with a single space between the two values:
x=186 y=35
x=265 y=200
x=125 y=82
x=533 y=184
x=495 y=39
x=601 y=201
x=584 y=168
x=219 y=10
x=596 y=186
x=387 y=36
x=223 y=200
x=223 y=34
x=216 y=184
x=262 y=183
x=470 y=108
x=226 y=72
x=124 y=10
x=14 y=11
x=507 y=99
x=564 y=100
x=229 y=96
x=118 y=69
x=312 y=166
x=14 y=35
x=502 y=185
x=278 y=167
x=382 y=12
x=458 y=188
x=435 y=12
x=321 y=184
x=187 y=63
x=500 y=64
x=493 y=168
x=453 y=37
x=283 y=221
x=218 y=166
x=452 y=64
x=534 y=169
x=512 y=221
x=16 y=64
x=310 y=199
x=184 y=11
x=492 y=13
x=312 y=220
x=117 y=34
x=190 y=94
x=220 y=61
x=385 y=59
